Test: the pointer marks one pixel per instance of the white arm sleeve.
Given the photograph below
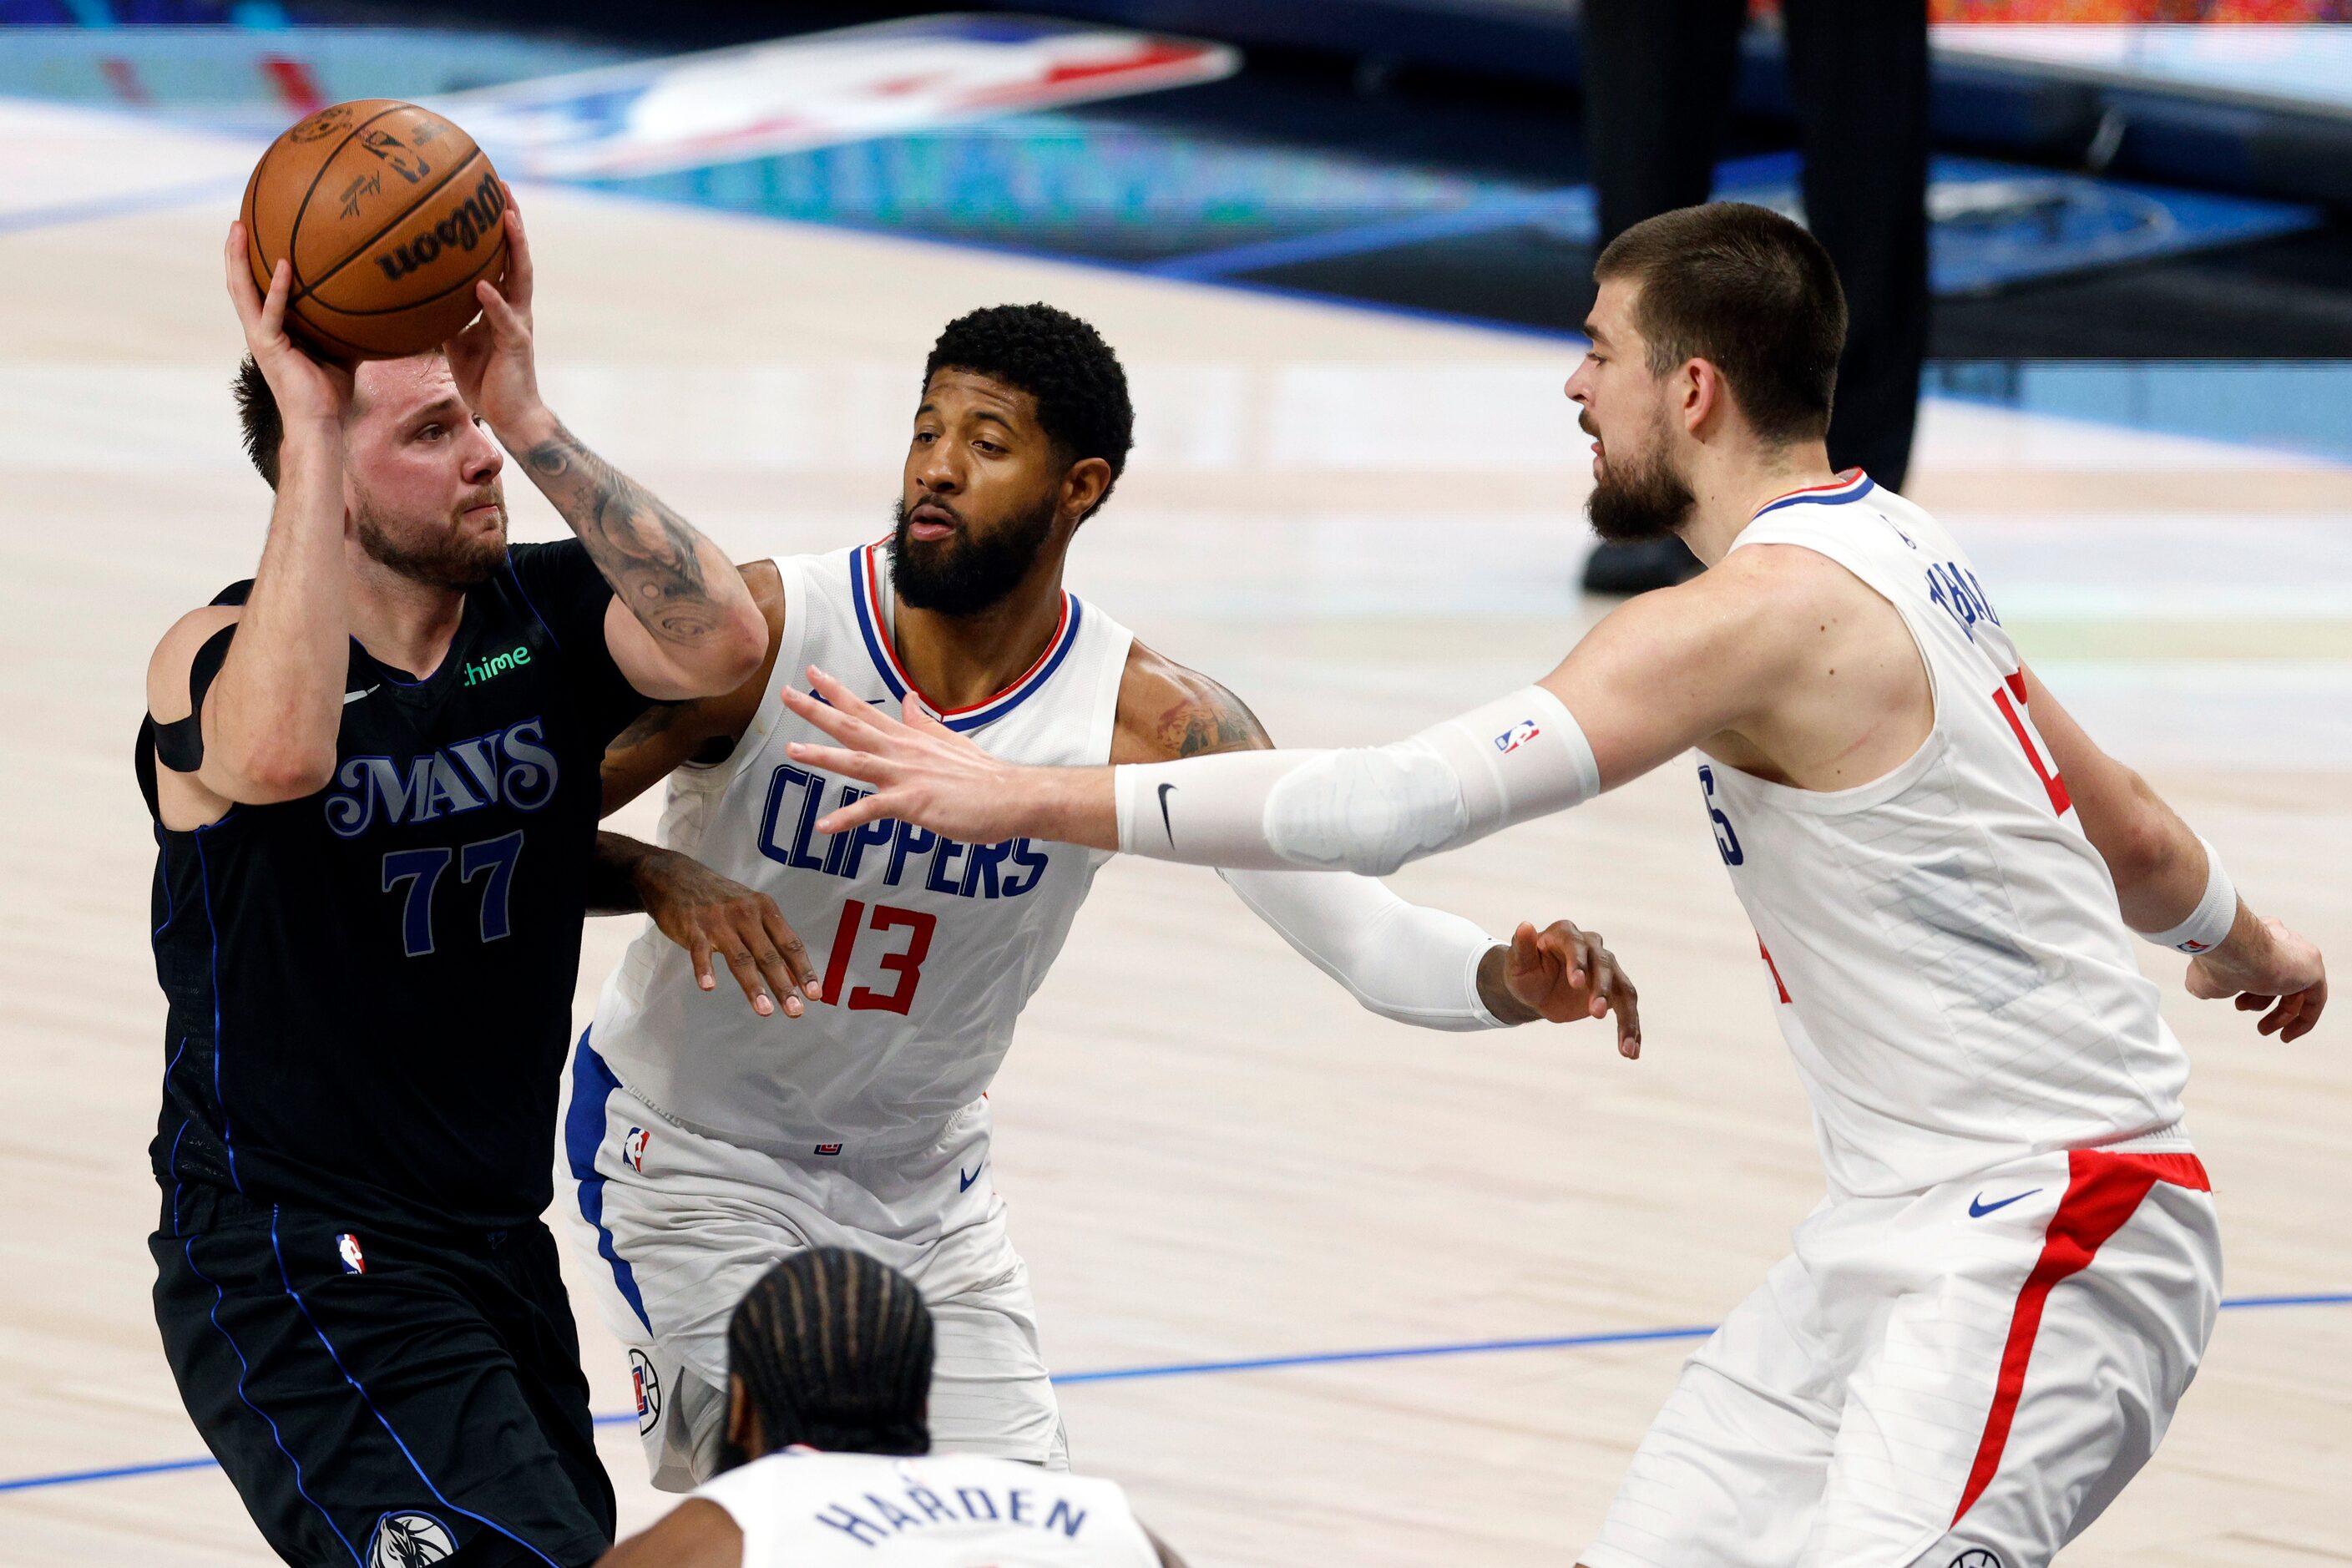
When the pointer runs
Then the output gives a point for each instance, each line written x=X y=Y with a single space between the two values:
x=1416 y=965
x=1368 y=810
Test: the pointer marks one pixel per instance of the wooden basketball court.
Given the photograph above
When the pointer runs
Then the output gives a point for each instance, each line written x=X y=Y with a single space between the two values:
x=1361 y=523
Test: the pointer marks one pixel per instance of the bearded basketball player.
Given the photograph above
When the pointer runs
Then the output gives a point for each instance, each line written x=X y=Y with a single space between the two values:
x=373 y=769
x=1982 y=1333
x=707 y=1141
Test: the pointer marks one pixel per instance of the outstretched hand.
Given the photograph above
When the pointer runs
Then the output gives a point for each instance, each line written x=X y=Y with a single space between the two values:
x=923 y=772
x=307 y=389
x=2284 y=973
x=1566 y=974
x=712 y=916
x=492 y=360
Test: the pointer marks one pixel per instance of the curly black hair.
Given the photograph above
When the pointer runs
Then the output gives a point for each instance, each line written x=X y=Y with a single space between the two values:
x=1060 y=361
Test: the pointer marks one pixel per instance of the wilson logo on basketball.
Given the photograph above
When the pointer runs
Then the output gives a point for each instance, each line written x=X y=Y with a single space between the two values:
x=476 y=216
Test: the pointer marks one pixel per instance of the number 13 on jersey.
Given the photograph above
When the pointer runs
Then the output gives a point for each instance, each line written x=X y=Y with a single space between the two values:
x=905 y=964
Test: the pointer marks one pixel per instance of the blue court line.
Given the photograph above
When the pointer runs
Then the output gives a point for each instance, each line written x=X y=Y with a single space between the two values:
x=1207 y=1368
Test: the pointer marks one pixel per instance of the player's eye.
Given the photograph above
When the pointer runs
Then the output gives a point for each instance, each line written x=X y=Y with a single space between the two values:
x=988 y=447
x=431 y=433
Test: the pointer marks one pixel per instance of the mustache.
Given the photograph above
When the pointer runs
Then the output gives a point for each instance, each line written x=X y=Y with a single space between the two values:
x=1584 y=422
x=931 y=503
x=488 y=495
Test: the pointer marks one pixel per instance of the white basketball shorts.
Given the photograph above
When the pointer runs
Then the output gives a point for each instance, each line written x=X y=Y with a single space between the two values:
x=674 y=1227
x=1960 y=1378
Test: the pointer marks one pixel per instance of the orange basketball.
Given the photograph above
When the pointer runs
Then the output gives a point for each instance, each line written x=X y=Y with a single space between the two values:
x=390 y=214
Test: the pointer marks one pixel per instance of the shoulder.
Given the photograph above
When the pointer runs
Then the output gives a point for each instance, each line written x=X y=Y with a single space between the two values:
x=167 y=669
x=1167 y=711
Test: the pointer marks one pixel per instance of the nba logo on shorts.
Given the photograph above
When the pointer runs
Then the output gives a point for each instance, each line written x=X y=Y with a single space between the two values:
x=347 y=1248
x=646 y=1385
x=633 y=1147
x=409 y=1541
x=1517 y=735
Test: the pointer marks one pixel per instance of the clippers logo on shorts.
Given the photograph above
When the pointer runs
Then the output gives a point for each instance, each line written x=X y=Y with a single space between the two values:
x=1517 y=735
x=1975 y=1557
x=647 y=1384
x=347 y=1248
x=410 y=1540
x=633 y=1149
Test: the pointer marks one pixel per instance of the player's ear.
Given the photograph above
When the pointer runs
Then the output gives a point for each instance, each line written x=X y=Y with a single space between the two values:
x=1083 y=487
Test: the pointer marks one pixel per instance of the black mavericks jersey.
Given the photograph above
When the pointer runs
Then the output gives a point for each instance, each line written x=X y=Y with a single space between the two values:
x=371 y=986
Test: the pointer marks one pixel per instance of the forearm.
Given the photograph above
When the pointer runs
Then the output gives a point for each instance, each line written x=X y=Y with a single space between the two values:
x=272 y=714
x=681 y=587
x=1420 y=966
x=613 y=887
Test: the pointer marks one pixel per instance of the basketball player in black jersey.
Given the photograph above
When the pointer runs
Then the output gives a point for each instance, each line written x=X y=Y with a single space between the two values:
x=373 y=774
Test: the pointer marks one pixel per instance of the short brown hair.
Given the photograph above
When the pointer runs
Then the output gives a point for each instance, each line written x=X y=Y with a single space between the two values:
x=257 y=410
x=1747 y=290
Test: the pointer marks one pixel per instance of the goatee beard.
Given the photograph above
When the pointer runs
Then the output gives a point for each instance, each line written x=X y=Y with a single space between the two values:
x=1630 y=504
x=454 y=561
x=965 y=572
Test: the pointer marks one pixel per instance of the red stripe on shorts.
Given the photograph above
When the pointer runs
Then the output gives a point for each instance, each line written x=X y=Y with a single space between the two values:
x=2102 y=1192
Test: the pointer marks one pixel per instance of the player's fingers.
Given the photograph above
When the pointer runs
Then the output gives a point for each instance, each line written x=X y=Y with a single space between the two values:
x=848 y=724
x=2306 y=1015
x=1527 y=957
x=1627 y=1003
x=1571 y=949
x=779 y=976
x=852 y=711
x=789 y=944
x=241 y=291
x=746 y=970
x=856 y=765
x=699 y=951
x=859 y=811
x=506 y=324
x=519 y=268
x=2254 y=1002
x=273 y=308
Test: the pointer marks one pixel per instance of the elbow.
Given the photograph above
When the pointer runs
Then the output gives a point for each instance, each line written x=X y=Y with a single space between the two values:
x=274 y=773
x=2145 y=849
x=736 y=650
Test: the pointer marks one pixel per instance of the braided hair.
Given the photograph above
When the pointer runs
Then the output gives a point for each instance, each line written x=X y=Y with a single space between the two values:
x=835 y=1350
x=1060 y=361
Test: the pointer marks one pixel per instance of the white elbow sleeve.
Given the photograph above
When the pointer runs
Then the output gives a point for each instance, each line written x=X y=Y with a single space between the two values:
x=1373 y=809
x=1369 y=809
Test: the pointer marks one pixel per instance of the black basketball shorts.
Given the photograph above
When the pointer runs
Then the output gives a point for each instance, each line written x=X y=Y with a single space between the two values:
x=379 y=1403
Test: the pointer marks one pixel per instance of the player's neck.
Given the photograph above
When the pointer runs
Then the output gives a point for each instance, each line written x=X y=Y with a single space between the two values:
x=957 y=662
x=1735 y=486
x=403 y=623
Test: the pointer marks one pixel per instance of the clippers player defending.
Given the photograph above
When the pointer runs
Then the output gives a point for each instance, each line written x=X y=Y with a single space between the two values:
x=1983 y=1330
x=828 y=1456
x=706 y=1140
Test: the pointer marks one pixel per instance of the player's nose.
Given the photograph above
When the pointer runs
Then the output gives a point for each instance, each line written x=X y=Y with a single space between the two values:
x=482 y=457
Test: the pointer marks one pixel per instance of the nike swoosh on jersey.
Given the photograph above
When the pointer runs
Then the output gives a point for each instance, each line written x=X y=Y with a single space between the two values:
x=968 y=1181
x=352 y=697
x=1166 y=827
x=1979 y=1208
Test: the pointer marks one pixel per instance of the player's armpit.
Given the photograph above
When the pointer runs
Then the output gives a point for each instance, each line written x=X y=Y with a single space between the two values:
x=703 y=730
x=1167 y=711
x=1668 y=669
x=698 y=1534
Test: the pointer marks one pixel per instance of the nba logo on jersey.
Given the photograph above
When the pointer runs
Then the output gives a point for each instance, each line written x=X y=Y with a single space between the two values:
x=633 y=1147
x=1517 y=735
x=347 y=1248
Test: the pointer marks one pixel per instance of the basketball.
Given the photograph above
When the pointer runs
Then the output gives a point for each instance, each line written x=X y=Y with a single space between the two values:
x=390 y=215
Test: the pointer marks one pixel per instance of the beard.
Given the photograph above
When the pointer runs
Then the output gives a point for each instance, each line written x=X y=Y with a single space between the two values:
x=967 y=573
x=453 y=558
x=1639 y=499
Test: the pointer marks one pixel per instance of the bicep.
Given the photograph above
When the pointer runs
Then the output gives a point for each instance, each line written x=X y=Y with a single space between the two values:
x=1661 y=673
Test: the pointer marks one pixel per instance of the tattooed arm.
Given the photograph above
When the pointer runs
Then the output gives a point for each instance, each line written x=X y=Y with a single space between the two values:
x=1418 y=965
x=702 y=732
x=681 y=624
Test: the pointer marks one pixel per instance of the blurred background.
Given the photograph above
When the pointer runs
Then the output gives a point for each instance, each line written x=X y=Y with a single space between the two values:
x=2100 y=255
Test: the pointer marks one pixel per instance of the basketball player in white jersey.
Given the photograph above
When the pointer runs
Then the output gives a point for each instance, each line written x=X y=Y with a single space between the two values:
x=828 y=1451
x=1983 y=1330
x=706 y=1138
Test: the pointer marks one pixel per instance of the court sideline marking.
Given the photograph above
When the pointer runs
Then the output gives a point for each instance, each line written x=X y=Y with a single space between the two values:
x=1197 y=1369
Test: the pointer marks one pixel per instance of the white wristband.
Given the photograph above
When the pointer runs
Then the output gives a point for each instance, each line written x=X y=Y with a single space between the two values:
x=2208 y=925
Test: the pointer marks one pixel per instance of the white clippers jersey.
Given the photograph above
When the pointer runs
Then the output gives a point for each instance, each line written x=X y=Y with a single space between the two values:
x=927 y=948
x=799 y=1509
x=1950 y=968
